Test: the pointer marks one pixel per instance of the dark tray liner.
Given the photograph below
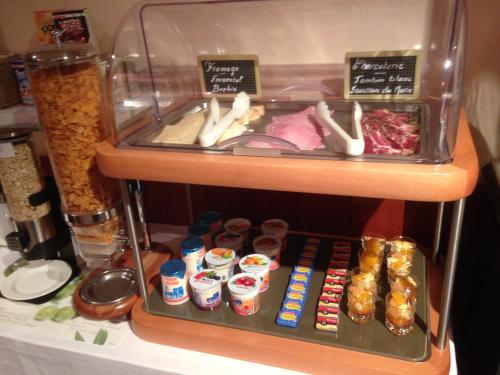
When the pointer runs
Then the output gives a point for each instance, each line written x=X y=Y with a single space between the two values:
x=372 y=338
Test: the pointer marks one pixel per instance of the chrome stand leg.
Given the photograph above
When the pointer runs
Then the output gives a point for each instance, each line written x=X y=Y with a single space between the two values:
x=449 y=272
x=437 y=232
x=129 y=215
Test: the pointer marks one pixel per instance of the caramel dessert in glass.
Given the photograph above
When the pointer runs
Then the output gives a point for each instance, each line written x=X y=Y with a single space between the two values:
x=360 y=304
x=403 y=245
x=399 y=313
x=398 y=265
x=373 y=243
x=369 y=262
x=405 y=285
x=364 y=279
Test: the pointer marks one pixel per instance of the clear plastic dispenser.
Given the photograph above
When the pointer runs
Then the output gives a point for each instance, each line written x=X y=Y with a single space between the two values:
x=302 y=51
x=69 y=92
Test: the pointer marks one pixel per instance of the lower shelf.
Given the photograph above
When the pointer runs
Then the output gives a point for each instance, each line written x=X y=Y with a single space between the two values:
x=259 y=339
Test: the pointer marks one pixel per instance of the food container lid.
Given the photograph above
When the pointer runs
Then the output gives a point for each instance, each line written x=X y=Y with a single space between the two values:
x=244 y=284
x=191 y=245
x=69 y=54
x=173 y=267
x=237 y=224
x=110 y=286
x=274 y=225
x=255 y=263
x=266 y=244
x=199 y=229
x=229 y=239
x=211 y=216
x=204 y=280
x=14 y=135
x=219 y=256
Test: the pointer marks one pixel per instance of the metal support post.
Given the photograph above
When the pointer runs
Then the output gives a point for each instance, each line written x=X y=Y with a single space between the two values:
x=437 y=232
x=129 y=215
x=449 y=272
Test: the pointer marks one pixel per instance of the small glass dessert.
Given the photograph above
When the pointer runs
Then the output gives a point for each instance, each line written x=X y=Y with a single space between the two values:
x=399 y=313
x=405 y=285
x=369 y=262
x=403 y=245
x=364 y=279
x=360 y=304
x=373 y=243
x=398 y=265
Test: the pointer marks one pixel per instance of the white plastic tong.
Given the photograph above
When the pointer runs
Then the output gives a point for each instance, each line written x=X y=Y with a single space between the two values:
x=214 y=126
x=351 y=146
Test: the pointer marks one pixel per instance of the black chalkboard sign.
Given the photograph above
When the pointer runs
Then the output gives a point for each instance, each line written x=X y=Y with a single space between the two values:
x=226 y=75
x=382 y=75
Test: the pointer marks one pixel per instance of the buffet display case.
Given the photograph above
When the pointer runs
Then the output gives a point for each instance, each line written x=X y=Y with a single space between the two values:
x=300 y=57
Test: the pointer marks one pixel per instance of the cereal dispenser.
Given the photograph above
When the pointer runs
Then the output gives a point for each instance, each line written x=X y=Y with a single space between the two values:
x=69 y=94
x=28 y=201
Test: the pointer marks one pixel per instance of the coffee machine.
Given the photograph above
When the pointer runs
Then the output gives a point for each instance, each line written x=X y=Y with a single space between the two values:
x=28 y=199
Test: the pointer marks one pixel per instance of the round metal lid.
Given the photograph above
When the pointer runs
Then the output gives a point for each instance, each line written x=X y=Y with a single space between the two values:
x=69 y=54
x=13 y=135
x=110 y=286
x=94 y=217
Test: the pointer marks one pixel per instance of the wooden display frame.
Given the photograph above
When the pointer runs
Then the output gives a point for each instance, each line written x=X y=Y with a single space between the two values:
x=416 y=182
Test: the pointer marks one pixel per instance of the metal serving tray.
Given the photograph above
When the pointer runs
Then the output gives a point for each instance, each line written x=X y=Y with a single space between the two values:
x=427 y=152
x=371 y=338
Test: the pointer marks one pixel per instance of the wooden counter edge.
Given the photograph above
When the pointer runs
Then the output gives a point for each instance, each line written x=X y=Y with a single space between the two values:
x=418 y=182
x=287 y=353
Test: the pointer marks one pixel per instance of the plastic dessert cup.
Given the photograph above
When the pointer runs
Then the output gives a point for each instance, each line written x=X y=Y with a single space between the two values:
x=239 y=225
x=276 y=227
x=399 y=313
x=364 y=279
x=174 y=282
x=222 y=262
x=192 y=253
x=245 y=297
x=257 y=265
x=269 y=246
x=360 y=304
x=206 y=289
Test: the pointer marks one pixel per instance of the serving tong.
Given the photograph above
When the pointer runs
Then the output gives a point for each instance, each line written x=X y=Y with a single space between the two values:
x=214 y=127
x=349 y=145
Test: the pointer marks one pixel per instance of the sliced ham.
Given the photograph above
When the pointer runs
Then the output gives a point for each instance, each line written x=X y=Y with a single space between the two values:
x=298 y=128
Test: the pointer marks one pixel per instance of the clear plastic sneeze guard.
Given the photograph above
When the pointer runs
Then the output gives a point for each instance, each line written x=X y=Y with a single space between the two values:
x=303 y=67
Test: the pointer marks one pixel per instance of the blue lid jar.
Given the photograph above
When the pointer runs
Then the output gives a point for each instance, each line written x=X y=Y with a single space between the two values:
x=211 y=217
x=173 y=268
x=199 y=229
x=191 y=245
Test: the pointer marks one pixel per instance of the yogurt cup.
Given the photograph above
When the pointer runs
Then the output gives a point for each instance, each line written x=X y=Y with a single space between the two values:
x=238 y=225
x=206 y=289
x=214 y=219
x=174 y=282
x=258 y=265
x=231 y=240
x=244 y=290
x=222 y=262
x=203 y=231
x=269 y=246
x=192 y=253
x=276 y=227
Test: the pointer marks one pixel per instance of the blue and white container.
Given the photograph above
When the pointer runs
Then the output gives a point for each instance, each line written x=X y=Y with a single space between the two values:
x=192 y=253
x=174 y=282
x=203 y=231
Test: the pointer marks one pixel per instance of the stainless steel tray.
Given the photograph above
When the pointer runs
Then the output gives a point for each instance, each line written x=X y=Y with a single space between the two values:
x=428 y=152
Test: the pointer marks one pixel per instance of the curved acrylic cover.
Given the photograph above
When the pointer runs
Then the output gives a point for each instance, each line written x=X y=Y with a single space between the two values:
x=301 y=48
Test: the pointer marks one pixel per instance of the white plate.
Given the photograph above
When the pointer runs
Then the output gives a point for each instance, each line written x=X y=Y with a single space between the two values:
x=37 y=279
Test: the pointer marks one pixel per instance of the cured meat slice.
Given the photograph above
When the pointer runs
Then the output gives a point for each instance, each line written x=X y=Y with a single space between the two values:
x=387 y=132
